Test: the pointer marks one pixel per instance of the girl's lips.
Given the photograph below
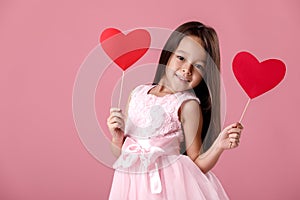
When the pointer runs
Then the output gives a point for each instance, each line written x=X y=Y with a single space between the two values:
x=182 y=78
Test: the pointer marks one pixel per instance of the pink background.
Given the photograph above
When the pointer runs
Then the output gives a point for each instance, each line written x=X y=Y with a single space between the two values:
x=42 y=46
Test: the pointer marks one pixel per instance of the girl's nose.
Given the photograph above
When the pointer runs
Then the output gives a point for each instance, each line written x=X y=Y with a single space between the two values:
x=187 y=69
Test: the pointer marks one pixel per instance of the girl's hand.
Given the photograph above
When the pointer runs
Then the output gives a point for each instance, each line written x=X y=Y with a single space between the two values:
x=115 y=123
x=230 y=137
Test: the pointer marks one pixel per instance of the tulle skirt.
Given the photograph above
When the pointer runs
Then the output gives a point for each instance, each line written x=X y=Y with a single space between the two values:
x=181 y=180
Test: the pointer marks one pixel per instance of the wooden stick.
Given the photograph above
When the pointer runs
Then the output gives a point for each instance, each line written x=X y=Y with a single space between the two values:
x=244 y=110
x=240 y=121
x=121 y=89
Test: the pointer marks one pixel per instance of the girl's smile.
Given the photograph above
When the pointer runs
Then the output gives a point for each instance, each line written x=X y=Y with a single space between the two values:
x=182 y=78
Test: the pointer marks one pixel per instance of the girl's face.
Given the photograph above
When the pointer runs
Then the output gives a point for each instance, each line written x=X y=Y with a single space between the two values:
x=185 y=67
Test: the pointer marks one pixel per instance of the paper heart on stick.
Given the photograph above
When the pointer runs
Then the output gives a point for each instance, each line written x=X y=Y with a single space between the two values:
x=123 y=49
x=257 y=77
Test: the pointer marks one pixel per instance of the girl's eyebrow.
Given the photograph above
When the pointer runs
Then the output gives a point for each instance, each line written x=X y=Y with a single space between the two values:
x=181 y=51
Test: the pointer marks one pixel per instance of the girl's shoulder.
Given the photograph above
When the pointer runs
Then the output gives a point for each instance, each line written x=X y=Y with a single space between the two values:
x=185 y=96
x=141 y=88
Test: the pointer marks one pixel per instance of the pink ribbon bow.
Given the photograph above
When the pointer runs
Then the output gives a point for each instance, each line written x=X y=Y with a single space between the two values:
x=143 y=151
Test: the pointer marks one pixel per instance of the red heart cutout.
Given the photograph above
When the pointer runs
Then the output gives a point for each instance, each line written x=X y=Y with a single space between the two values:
x=257 y=77
x=123 y=49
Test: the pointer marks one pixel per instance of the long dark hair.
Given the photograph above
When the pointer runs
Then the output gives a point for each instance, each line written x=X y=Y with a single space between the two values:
x=208 y=91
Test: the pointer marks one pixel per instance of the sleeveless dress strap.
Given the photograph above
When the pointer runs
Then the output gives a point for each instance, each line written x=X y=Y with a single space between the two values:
x=185 y=96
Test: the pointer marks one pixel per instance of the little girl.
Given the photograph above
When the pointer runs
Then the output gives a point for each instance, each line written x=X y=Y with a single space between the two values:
x=182 y=106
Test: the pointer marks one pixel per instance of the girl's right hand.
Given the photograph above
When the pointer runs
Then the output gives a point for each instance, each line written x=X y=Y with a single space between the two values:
x=116 y=124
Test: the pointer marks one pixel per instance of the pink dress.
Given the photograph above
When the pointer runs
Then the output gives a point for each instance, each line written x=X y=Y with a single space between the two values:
x=150 y=165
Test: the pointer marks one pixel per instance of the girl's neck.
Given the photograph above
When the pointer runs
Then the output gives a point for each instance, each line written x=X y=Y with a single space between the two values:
x=160 y=90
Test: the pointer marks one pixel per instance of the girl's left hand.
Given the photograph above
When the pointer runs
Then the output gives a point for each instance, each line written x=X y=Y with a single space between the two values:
x=229 y=138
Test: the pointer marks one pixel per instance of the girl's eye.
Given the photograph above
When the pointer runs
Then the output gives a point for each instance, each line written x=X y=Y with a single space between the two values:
x=180 y=58
x=198 y=66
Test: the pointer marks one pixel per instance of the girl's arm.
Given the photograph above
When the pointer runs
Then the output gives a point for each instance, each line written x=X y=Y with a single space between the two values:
x=192 y=121
x=116 y=125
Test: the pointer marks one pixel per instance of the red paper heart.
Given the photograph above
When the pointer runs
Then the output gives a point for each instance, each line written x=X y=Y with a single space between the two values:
x=257 y=77
x=125 y=50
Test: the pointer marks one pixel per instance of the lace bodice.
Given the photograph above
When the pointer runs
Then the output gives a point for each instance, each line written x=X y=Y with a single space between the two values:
x=152 y=116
